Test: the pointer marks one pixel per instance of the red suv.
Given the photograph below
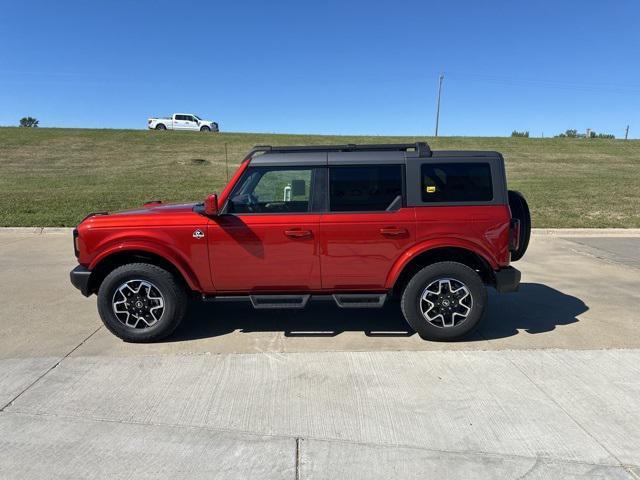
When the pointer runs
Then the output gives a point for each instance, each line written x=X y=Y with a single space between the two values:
x=353 y=223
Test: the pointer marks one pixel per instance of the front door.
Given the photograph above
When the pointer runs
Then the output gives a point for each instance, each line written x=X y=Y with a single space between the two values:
x=266 y=238
x=366 y=229
x=190 y=123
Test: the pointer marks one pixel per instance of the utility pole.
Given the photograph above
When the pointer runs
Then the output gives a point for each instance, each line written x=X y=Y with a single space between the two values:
x=626 y=133
x=440 y=78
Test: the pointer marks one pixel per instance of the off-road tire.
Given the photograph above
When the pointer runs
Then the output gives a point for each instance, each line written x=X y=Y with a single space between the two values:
x=174 y=295
x=412 y=294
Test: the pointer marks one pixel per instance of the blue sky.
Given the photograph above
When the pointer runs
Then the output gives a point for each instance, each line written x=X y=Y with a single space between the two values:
x=325 y=67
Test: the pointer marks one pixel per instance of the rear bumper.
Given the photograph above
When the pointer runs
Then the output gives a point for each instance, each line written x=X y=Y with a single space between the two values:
x=507 y=280
x=80 y=279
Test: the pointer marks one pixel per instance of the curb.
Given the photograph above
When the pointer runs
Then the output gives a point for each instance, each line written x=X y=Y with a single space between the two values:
x=586 y=232
x=36 y=230
x=543 y=232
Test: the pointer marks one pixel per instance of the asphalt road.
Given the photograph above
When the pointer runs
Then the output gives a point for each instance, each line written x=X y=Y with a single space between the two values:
x=549 y=387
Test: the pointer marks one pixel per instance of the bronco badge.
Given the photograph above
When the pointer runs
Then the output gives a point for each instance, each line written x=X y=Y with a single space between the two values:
x=198 y=234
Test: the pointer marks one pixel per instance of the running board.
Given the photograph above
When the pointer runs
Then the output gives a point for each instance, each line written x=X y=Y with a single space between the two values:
x=279 y=301
x=360 y=300
x=343 y=300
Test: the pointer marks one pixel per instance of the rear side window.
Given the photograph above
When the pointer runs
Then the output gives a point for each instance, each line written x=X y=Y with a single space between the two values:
x=364 y=188
x=456 y=182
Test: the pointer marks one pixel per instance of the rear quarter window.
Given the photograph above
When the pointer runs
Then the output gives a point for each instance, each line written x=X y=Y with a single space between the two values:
x=456 y=182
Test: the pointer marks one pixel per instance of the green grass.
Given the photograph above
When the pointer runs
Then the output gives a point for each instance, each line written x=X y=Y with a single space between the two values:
x=53 y=177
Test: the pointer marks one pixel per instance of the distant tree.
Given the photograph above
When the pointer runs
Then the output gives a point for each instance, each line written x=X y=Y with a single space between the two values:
x=516 y=133
x=29 y=122
x=606 y=135
x=571 y=133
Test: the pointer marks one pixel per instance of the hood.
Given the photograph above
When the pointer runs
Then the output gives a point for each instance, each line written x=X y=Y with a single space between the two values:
x=150 y=214
x=158 y=208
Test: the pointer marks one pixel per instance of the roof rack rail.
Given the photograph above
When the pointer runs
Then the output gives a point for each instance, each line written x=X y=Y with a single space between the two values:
x=422 y=148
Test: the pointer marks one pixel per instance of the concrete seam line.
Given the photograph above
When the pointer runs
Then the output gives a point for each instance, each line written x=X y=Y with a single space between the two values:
x=297 y=458
x=544 y=392
x=50 y=369
x=631 y=470
x=322 y=352
x=317 y=439
x=358 y=352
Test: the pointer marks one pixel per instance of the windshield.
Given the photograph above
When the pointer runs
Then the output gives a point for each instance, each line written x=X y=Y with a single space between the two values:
x=197 y=117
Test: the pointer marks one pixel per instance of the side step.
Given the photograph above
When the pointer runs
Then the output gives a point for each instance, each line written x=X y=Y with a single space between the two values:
x=279 y=301
x=343 y=300
x=360 y=300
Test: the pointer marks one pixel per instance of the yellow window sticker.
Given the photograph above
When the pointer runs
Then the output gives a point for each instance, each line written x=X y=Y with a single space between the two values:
x=431 y=189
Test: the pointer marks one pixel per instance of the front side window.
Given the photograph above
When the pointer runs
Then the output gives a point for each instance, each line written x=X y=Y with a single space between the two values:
x=456 y=182
x=371 y=188
x=272 y=190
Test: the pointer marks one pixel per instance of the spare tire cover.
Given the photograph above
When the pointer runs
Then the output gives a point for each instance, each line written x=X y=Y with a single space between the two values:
x=520 y=210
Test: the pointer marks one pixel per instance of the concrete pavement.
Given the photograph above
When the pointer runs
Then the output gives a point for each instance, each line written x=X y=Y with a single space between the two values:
x=549 y=387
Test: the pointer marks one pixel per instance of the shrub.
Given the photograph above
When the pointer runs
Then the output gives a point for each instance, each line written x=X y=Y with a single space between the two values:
x=29 y=122
x=516 y=133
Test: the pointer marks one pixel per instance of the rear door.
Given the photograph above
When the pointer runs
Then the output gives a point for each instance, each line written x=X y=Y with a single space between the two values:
x=367 y=227
x=179 y=122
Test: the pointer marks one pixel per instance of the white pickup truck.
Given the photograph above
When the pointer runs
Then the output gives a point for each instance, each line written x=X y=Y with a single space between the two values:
x=182 y=121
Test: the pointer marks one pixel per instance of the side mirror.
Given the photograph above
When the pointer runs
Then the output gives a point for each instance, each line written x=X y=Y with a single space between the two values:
x=211 y=205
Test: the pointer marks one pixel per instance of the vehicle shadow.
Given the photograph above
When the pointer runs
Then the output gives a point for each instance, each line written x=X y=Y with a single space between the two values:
x=536 y=308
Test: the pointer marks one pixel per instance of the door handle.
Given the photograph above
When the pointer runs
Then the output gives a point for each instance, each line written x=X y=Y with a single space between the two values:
x=298 y=233
x=393 y=231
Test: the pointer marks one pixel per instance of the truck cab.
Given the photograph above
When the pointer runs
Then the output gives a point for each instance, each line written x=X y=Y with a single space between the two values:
x=355 y=224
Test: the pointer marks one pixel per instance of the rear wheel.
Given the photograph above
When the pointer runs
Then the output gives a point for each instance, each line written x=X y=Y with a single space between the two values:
x=520 y=211
x=139 y=302
x=444 y=301
x=160 y=126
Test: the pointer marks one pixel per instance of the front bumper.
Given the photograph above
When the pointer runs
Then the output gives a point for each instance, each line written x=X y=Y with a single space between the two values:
x=507 y=280
x=80 y=279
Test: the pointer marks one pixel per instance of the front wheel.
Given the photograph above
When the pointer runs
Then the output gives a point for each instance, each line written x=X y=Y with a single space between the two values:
x=140 y=302
x=444 y=301
x=160 y=126
x=205 y=129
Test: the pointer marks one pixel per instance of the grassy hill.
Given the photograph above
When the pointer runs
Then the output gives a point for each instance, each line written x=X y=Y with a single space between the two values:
x=53 y=177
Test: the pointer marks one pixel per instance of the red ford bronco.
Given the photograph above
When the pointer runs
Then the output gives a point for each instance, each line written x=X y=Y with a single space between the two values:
x=352 y=223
